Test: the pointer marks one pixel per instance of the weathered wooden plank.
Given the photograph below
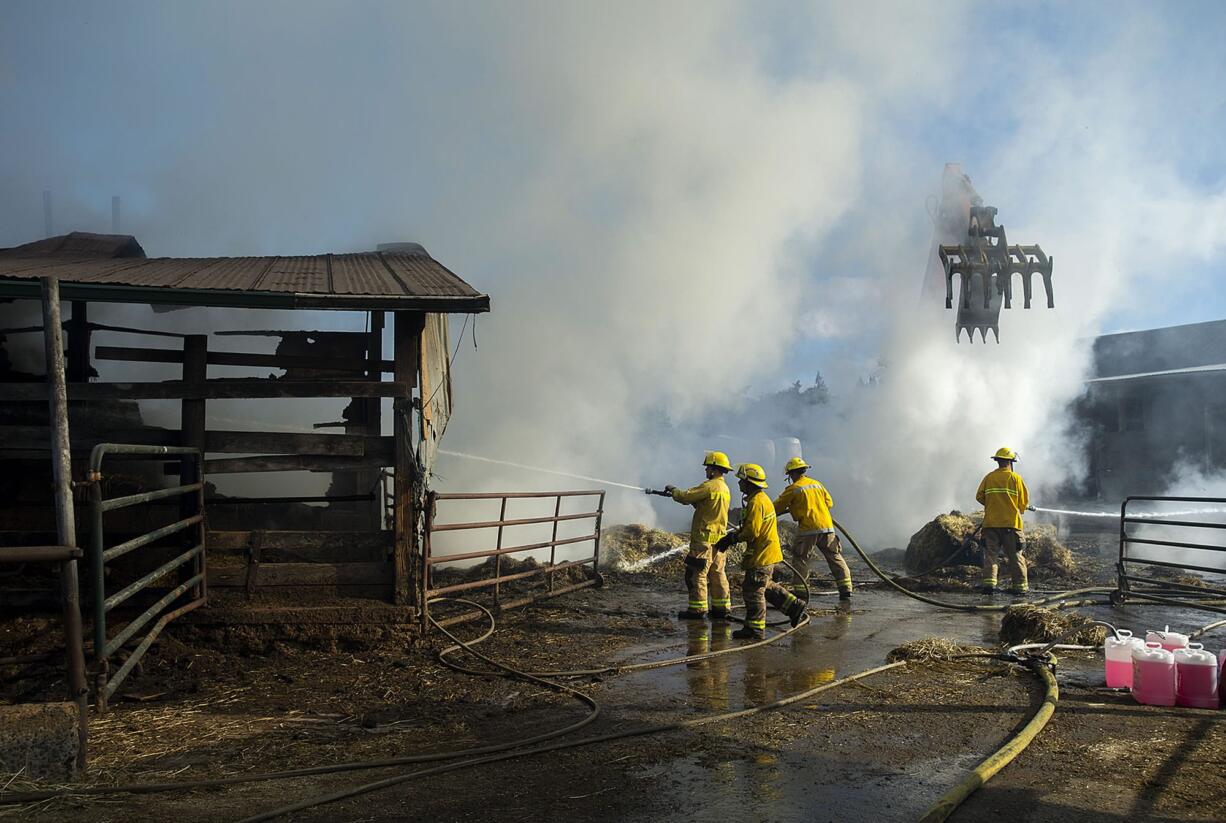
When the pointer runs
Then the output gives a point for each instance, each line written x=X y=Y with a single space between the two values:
x=303 y=554
x=291 y=463
x=241 y=388
x=283 y=539
x=224 y=358
x=194 y=424
x=342 y=445
x=223 y=442
x=303 y=574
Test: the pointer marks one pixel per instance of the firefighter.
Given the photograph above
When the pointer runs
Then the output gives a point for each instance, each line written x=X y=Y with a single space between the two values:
x=1004 y=497
x=758 y=530
x=704 y=567
x=809 y=504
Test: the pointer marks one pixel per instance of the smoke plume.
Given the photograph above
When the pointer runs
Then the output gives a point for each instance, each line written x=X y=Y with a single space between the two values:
x=676 y=209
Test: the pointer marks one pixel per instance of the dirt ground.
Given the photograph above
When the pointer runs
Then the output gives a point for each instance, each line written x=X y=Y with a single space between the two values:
x=214 y=701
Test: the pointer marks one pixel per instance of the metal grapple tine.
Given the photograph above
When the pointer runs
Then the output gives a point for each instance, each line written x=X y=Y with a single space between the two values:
x=966 y=287
x=949 y=277
x=1051 y=296
x=1043 y=265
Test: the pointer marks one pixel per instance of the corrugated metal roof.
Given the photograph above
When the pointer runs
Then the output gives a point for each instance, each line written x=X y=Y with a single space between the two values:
x=113 y=268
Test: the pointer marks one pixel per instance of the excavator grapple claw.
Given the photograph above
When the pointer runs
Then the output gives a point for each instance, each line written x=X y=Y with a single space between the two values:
x=973 y=248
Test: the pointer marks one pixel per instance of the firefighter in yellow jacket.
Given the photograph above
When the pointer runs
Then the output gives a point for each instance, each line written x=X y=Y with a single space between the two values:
x=1004 y=498
x=809 y=504
x=704 y=567
x=758 y=531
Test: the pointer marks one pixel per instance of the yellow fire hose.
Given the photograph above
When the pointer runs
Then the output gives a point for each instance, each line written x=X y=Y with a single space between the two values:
x=1003 y=756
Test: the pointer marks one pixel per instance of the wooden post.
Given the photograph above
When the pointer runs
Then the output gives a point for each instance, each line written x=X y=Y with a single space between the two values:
x=374 y=416
x=78 y=343
x=65 y=515
x=406 y=333
x=192 y=423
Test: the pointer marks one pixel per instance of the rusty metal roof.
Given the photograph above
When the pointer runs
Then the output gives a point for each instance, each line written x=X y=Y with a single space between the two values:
x=113 y=268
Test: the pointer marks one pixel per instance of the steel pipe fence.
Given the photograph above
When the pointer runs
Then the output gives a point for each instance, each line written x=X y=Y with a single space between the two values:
x=66 y=558
x=427 y=588
x=1134 y=585
x=190 y=563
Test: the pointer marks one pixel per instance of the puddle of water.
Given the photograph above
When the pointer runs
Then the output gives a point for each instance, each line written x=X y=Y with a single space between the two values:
x=801 y=782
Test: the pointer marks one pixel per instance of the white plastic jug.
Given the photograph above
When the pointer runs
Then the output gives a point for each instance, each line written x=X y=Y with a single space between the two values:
x=1167 y=639
x=1118 y=654
x=1196 y=677
x=1153 y=675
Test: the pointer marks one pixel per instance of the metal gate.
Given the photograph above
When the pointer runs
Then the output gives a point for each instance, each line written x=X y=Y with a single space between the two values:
x=1174 y=550
x=497 y=577
x=191 y=560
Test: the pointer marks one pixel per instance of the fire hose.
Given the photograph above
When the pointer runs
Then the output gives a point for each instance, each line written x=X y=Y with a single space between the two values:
x=513 y=749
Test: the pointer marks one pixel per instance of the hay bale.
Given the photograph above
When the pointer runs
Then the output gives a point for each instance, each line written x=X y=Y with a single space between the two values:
x=1045 y=555
x=937 y=540
x=1035 y=624
x=956 y=539
x=39 y=740
x=928 y=649
x=634 y=546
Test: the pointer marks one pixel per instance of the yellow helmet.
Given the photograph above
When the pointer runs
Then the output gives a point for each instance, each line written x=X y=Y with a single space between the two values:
x=794 y=464
x=753 y=473
x=717 y=460
x=1005 y=453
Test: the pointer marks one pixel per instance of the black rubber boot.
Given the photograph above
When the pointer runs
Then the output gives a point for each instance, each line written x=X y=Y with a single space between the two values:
x=988 y=590
x=720 y=614
x=746 y=633
x=687 y=614
x=797 y=614
x=844 y=594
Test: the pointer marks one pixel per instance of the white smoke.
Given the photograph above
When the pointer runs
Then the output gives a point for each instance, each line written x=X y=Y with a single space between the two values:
x=671 y=206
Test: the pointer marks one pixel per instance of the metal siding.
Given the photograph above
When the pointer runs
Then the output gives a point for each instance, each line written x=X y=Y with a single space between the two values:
x=235 y=273
x=382 y=277
x=295 y=274
x=426 y=276
x=362 y=274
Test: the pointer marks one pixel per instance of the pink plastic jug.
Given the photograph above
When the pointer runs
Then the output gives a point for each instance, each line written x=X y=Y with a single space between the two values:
x=1153 y=675
x=1118 y=654
x=1168 y=639
x=1196 y=677
x=1221 y=681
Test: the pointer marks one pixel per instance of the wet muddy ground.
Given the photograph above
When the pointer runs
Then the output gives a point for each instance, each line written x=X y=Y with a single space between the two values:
x=228 y=701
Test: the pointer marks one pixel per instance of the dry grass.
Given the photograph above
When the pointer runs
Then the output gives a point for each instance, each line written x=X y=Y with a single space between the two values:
x=930 y=649
x=1035 y=624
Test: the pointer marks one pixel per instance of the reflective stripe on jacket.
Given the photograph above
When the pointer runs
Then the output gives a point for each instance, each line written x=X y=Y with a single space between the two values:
x=759 y=530
x=710 y=500
x=1004 y=498
x=809 y=504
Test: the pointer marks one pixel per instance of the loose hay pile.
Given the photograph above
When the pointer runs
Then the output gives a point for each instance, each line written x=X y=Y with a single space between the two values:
x=1047 y=556
x=1035 y=624
x=928 y=649
x=634 y=547
x=955 y=539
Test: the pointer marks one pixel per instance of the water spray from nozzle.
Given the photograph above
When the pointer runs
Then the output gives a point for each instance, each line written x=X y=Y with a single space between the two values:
x=599 y=480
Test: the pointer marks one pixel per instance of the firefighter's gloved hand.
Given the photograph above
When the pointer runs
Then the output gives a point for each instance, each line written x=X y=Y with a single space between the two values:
x=726 y=542
x=670 y=489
